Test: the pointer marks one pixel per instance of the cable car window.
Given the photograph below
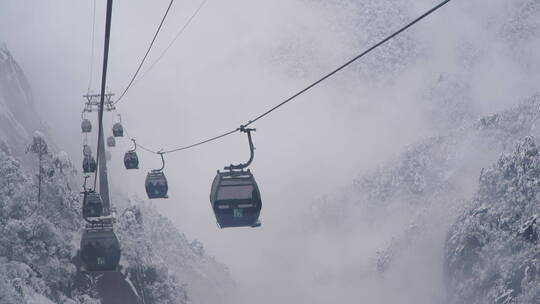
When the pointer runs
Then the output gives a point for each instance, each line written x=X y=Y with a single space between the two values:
x=235 y=192
x=235 y=181
x=245 y=205
x=159 y=182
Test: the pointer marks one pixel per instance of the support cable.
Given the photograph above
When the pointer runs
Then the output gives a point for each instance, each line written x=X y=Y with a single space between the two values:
x=139 y=145
x=315 y=83
x=180 y=32
x=92 y=50
x=202 y=142
x=145 y=55
x=349 y=62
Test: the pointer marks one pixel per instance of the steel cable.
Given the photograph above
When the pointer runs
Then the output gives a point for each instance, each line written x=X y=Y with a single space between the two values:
x=146 y=54
x=92 y=50
x=315 y=83
x=180 y=32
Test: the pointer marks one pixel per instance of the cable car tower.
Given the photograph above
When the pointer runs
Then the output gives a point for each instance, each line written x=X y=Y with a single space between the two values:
x=92 y=104
x=100 y=248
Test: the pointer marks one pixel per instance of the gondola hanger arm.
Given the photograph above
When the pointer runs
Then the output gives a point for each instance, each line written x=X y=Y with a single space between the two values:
x=84 y=185
x=134 y=145
x=160 y=152
x=251 y=150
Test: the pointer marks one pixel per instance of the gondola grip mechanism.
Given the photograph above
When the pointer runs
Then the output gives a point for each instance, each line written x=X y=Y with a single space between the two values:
x=251 y=149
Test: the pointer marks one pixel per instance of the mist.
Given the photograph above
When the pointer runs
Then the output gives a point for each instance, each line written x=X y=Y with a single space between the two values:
x=236 y=60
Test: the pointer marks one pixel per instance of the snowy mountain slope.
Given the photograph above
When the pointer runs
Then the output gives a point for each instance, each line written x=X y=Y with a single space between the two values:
x=39 y=246
x=443 y=168
x=456 y=67
x=399 y=213
x=151 y=240
x=437 y=165
x=39 y=242
x=492 y=251
x=18 y=117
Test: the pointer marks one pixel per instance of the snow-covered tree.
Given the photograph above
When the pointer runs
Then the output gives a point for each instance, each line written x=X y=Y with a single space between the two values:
x=492 y=251
x=36 y=238
x=39 y=147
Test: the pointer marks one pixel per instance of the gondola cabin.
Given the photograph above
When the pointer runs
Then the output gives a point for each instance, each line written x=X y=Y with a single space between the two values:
x=111 y=142
x=131 y=161
x=118 y=130
x=100 y=249
x=92 y=204
x=86 y=126
x=87 y=150
x=156 y=184
x=89 y=164
x=236 y=199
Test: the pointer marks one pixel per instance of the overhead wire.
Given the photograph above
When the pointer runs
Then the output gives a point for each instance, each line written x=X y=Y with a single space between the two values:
x=138 y=145
x=147 y=149
x=313 y=84
x=92 y=50
x=146 y=54
x=180 y=32
x=348 y=62
x=202 y=142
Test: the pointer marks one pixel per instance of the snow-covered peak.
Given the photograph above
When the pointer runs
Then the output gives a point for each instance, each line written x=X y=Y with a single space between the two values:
x=19 y=119
x=4 y=53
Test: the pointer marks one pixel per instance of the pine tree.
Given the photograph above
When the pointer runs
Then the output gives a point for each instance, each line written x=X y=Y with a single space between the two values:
x=40 y=148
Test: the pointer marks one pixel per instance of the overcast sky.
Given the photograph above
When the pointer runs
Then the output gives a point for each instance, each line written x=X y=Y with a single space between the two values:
x=236 y=60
